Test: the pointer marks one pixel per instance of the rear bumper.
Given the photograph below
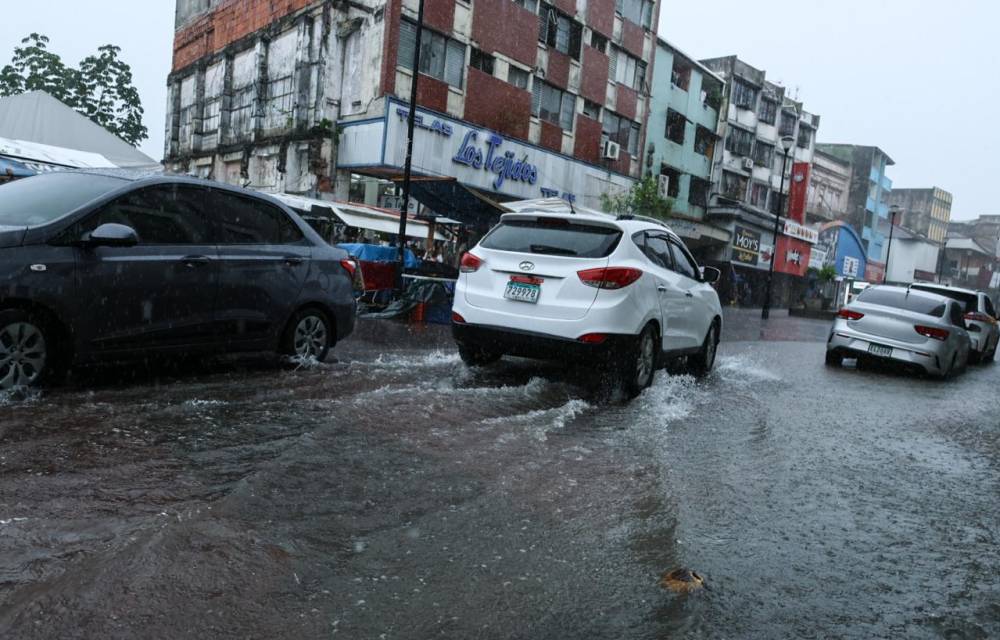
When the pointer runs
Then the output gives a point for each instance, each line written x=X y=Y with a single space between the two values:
x=917 y=357
x=540 y=346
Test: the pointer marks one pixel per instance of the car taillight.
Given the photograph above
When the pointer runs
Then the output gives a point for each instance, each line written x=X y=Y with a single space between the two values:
x=979 y=317
x=455 y=317
x=932 y=332
x=470 y=263
x=593 y=338
x=850 y=314
x=609 y=277
x=349 y=266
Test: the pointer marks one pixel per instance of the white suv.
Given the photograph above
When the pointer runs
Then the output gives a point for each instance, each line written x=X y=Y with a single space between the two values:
x=587 y=286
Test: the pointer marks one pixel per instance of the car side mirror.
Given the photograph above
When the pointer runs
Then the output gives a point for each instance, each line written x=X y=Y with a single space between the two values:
x=710 y=275
x=111 y=234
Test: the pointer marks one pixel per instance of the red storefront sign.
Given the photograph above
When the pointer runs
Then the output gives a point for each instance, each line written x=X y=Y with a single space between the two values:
x=798 y=191
x=792 y=256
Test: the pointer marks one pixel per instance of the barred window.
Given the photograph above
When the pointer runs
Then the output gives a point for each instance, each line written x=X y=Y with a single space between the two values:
x=739 y=141
x=768 y=111
x=744 y=94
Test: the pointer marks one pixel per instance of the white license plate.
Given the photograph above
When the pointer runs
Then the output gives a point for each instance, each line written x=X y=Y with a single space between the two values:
x=522 y=292
x=879 y=350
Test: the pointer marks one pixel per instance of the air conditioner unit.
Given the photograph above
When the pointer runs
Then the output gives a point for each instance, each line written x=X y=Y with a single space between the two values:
x=663 y=185
x=611 y=150
x=747 y=164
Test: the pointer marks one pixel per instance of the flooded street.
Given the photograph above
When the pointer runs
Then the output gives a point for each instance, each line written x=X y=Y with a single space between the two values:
x=394 y=493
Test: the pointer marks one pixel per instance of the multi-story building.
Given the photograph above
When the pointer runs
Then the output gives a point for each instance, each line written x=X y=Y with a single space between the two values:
x=925 y=211
x=746 y=187
x=868 y=198
x=829 y=186
x=516 y=98
x=684 y=130
x=911 y=257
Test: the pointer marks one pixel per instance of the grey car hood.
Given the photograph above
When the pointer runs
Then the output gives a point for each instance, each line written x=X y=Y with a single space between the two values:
x=11 y=236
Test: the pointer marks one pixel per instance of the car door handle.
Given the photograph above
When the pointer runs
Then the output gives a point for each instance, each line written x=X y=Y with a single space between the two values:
x=660 y=287
x=688 y=294
x=291 y=261
x=195 y=261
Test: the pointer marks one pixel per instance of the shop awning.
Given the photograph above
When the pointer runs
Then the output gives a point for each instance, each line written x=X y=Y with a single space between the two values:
x=449 y=198
x=358 y=215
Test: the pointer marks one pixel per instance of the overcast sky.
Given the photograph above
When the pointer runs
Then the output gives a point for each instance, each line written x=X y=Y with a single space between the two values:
x=917 y=78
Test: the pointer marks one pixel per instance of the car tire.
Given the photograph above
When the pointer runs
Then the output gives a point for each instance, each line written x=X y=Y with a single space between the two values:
x=975 y=357
x=308 y=335
x=834 y=359
x=700 y=364
x=28 y=351
x=477 y=356
x=638 y=367
x=950 y=371
x=990 y=355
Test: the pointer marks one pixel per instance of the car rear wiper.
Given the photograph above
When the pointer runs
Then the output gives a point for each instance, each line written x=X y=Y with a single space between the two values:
x=544 y=248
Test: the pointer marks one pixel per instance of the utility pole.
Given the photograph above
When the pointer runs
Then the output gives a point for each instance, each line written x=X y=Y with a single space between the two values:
x=893 y=210
x=408 y=166
x=786 y=144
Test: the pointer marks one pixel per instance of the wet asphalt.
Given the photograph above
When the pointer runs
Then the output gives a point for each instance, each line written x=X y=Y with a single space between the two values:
x=393 y=493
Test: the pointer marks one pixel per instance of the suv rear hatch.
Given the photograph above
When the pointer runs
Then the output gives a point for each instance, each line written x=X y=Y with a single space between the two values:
x=544 y=252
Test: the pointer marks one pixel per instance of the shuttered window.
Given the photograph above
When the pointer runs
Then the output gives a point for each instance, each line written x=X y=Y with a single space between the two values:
x=440 y=57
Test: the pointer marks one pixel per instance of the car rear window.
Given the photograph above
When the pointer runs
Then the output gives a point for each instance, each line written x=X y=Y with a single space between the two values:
x=553 y=236
x=41 y=199
x=902 y=299
x=969 y=301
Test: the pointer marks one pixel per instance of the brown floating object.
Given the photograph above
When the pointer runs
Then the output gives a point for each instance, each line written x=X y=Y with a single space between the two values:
x=682 y=581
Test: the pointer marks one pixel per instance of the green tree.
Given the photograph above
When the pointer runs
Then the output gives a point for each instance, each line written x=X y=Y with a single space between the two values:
x=101 y=88
x=642 y=199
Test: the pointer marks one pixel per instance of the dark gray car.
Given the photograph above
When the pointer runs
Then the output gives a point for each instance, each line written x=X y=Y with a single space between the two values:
x=97 y=266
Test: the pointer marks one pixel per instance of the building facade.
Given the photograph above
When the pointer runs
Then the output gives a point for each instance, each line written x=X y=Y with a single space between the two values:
x=925 y=211
x=747 y=181
x=867 y=199
x=829 y=186
x=911 y=256
x=515 y=99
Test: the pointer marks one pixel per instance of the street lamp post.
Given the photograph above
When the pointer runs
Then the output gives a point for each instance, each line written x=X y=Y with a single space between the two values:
x=893 y=210
x=408 y=164
x=786 y=145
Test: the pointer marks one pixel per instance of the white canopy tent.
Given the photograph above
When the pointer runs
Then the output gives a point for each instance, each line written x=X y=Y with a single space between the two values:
x=359 y=216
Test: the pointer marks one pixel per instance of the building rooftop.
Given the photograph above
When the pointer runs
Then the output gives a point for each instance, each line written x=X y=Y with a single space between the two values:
x=690 y=59
x=844 y=145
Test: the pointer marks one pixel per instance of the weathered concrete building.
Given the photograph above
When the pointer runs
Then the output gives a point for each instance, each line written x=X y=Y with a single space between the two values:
x=829 y=186
x=925 y=211
x=516 y=98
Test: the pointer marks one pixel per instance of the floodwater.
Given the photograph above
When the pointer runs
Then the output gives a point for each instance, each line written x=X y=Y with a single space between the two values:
x=393 y=493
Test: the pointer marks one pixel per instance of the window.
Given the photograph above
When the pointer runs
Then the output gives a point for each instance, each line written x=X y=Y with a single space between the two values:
x=680 y=75
x=734 y=186
x=440 y=57
x=553 y=237
x=768 y=111
x=530 y=5
x=554 y=105
x=704 y=141
x=902 y=299
x=633 y=140
x=559 y=31
x=638 y=11
x=621 y=130
x=675 y=126
x=698 y=192
x=758 y=195
x=673 y=182
x=210 y=121
x=598 y=42
x=739 y=141
x=763 y=153
x=744 y=94
x=160 y=215
x=776 y=202
x=683 y=263
x=627 y=70
x=591 y=109
x=657 y=249
x=805 y=137
x=50 y=196
x=251 y=221
x=787 y=127
x=518 y=77
x=481 y=61
x=280 y=105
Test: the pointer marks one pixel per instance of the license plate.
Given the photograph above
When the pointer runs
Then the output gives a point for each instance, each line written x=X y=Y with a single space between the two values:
x=522 y=292
x=879 y=350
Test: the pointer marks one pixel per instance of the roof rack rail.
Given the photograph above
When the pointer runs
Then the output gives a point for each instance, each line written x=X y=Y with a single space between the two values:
x=632 y=216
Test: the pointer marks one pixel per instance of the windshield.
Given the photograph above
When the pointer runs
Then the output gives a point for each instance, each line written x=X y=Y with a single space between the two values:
x=553 y=236
x=42 y=199
x=969 y=301
x=903 y=299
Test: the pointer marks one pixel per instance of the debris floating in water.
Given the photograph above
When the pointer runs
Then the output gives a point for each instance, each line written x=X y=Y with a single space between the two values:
x=682 y=581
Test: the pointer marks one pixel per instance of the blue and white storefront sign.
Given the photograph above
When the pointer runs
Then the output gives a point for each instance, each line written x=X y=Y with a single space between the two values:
x=475 y=156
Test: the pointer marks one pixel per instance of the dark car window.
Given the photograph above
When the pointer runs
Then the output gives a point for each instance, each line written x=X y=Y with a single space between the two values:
x=988 y=304
x=969 y=301
x=657 y=249
x=903 y=299
x=553 y=236
x=957 y=318
x=165 y=214
x=42 y=199
x=251 y=221
x=682 y=262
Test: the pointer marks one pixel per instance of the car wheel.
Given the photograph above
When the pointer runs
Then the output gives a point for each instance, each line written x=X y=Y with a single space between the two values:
x=950 y=371
x=308 y=336
x=477 y=356
x=26 y=357
x=700 y=364
x=975 y=357
x=988 y=358
x=834 y=359
x=639 y=366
